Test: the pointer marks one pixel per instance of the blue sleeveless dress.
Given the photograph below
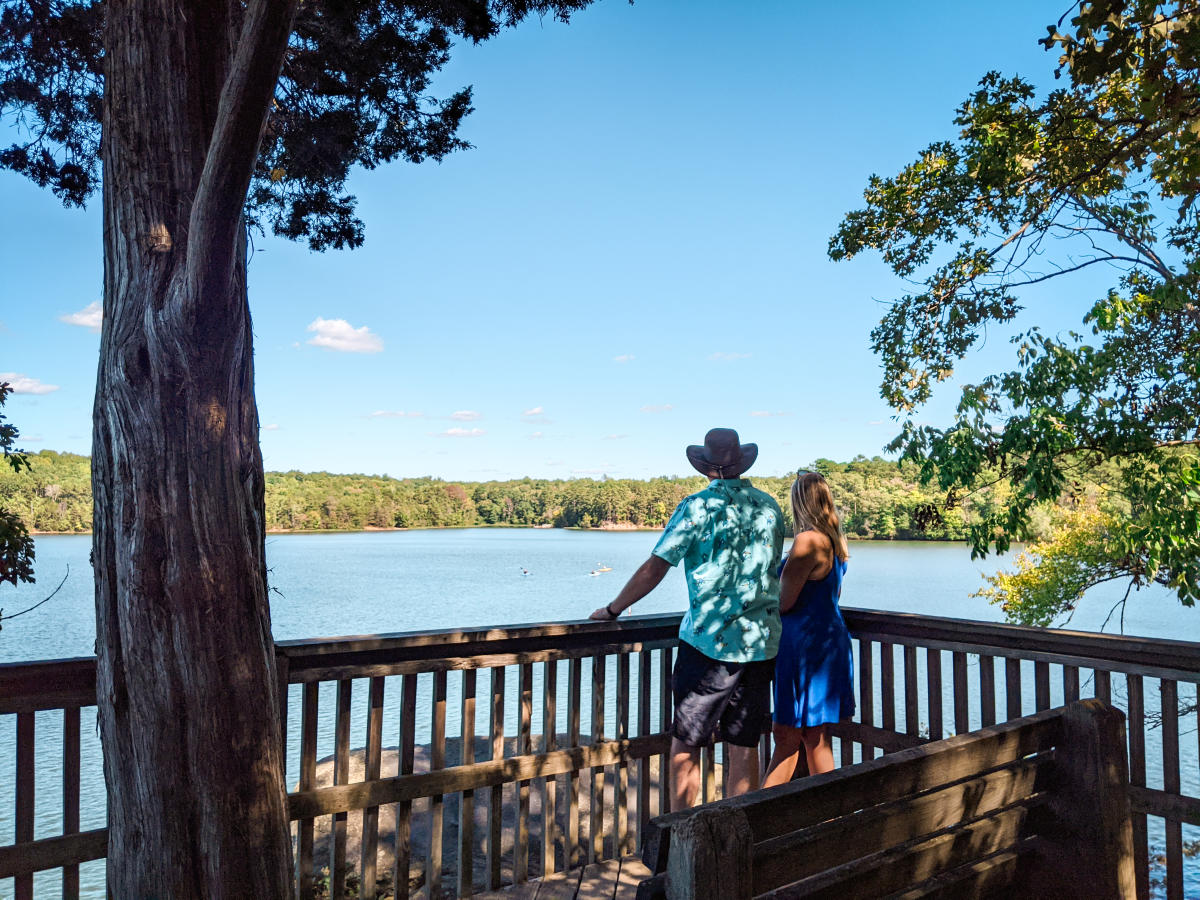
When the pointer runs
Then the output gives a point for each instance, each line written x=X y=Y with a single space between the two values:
x=814 y=671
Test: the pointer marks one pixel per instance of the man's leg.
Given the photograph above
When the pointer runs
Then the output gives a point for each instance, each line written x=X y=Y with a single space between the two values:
x=743 y=769
x=685 y=775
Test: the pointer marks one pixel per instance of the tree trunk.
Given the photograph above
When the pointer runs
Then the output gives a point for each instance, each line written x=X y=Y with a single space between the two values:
x=189 y=717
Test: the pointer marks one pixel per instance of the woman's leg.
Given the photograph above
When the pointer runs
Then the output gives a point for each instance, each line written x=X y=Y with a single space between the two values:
x=788 y=741
x=818 y=747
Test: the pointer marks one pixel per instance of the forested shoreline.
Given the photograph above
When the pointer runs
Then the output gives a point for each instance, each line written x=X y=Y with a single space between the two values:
x=878 y=499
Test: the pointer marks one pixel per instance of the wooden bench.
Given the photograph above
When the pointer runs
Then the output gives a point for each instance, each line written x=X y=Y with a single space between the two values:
x=1034 y=807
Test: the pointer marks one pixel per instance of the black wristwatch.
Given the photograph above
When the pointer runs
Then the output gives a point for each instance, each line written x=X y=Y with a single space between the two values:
x=608 y=608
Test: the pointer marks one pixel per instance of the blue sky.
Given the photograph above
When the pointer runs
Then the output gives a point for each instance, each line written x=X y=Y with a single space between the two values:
x=632 y=252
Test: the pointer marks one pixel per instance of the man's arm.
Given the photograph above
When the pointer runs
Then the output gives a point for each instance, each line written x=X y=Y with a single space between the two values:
x=647 y=577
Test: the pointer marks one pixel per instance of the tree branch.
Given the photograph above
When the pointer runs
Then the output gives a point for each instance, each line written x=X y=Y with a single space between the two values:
x=214 y=223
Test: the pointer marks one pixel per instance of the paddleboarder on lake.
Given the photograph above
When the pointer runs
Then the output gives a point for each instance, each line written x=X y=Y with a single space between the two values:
x=729 y=538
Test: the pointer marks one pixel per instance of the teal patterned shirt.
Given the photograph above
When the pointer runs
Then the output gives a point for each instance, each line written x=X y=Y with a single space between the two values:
x=729 y=537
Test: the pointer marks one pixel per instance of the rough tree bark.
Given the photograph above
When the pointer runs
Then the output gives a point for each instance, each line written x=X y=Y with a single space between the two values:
x=189 y=717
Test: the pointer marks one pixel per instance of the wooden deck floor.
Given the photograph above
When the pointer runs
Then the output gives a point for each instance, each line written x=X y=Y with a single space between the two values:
x=614 y=879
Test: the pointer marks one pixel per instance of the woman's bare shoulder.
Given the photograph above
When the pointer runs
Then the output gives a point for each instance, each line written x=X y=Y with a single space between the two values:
x=810 y=544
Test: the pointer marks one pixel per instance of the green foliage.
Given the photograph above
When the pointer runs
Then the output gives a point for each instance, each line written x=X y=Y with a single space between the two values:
x=1104 y=171
x=16 y=546
x=354 y=91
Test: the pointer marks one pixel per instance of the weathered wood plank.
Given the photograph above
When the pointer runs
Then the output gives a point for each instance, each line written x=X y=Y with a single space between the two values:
x=524 y=747
x=992 y=876
x=666 y=710
x=866 y=691
x=22 y=859
x=599 y=880
x=407 y=761
x=987 y=690
x=962 y=712
x=341 y=774
x=1012 y=688
x=574 y=846
x=596 y=779
x=1136 y=725
x=912 y=715
x=372 y=762
x=548 y=785
x=466 y=807
x=621 y=837
x=933 y=673
x=643 y=794
x=1159 y=803
x=1041 y=685
x=869 y=736
x=1070 y=684
x=70 y=776
x=495 y=806
x=633 y=873
x=560 y=886
x=887 y=685
x=711 y=856
x=1169 y=707
x=308 y=780
x=23 y=833
x=1103 y=685
x=437 y=806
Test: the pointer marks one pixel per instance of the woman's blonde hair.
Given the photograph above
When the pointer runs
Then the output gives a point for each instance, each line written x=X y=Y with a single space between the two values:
x=813 y=509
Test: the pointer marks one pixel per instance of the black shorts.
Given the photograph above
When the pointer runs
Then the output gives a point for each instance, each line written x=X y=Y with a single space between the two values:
x=726 y=700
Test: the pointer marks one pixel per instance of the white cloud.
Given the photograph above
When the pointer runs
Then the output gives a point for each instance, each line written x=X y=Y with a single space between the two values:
x=461 y=432
x=536 y=435
x=536 y=411
x=396 y=414
x=272 y=427
x=623 y=358
x=727 y=357
x=23 y=384
x=89 y=317
x=340 y=335
x=465 y=415
x=657 y=408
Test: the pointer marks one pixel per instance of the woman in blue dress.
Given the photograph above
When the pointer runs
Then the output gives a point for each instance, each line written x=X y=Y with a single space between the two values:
x=814 y=681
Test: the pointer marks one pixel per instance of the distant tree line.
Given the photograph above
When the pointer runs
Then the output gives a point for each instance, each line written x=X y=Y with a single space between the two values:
x=878 y=499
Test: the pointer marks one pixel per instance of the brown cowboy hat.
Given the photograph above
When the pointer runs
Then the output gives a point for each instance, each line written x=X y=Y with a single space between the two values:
x=722 y=453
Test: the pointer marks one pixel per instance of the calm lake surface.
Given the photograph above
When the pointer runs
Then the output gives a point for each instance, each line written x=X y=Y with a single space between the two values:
x=380 y=582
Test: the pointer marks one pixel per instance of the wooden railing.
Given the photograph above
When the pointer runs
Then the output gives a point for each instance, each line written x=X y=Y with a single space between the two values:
x=572 y=717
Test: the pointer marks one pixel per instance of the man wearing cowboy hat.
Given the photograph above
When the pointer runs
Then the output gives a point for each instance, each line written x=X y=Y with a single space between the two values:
x=729 y=537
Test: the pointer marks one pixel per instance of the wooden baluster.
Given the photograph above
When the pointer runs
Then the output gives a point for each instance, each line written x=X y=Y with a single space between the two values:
x=574 y=845
x=281 y=690
x=549 y=786
x=666 y=710
x=887 y=685
x=912 y=714
x=707 y=787
x=308 y=781
x=341 y=775
x=23 y=884
x=408 y=756
x=933 y=677
x=437 y=804
x=1103 y=686
x=70 y=875
x=866 y=691
x=623 y=845
x=495 y=847
x=962 y=709
x=466 y=805
x=371 y=772
x=524 y=739
x=1169 y=699
x=596 y=781
x=1012 y=687
x=1041 y=685
x=1136 y=722
x=1070 y=684
x=987 y=690
x=643 y=792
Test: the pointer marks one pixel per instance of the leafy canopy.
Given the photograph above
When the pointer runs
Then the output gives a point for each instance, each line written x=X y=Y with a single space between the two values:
x=16 y=546
x=355 y=90
x=1101 y=173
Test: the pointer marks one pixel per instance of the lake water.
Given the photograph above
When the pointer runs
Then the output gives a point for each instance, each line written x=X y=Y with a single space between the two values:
x=380 y=582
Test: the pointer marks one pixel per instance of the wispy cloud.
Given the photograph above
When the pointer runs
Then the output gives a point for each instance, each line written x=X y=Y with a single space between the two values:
x=623 y=358
x=615 y=437
x=657 y=408
x=462 y=432
x=340 y=335
x=396 y=414
x=272 y=427
x=23 y=384
x=536 y=416
x=727 y=357
x=536 y=435
x=465 y=415
x=766 y=413
x=89 y=317
x=535 y=411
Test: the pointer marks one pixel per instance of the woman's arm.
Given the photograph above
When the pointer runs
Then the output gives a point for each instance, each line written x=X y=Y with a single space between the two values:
x=802 y=561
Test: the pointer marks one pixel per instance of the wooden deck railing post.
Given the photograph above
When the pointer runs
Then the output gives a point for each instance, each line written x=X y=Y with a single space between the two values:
x=1092 y=803
x=711 y=856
